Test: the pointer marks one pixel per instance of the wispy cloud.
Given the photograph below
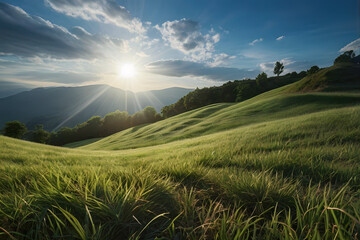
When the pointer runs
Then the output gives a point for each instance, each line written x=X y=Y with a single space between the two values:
x=107 y=11
x=180 y=68
x=280 y=38
x=31 y=36
x=256 y=41
x=184 y=35
x=354 y=45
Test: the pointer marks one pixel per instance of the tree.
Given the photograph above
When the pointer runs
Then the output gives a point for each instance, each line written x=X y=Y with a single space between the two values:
x=312 y=70
x=39 y=134
x=91 y=128
x=345 y=57
x=246 y=91
x=115 y=122
x=279 y=68
x=261 y=80
x=63 y=136
x=15 y=129
x=147 y=115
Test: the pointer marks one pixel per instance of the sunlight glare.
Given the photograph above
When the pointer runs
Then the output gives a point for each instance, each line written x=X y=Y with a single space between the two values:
x=127 y=70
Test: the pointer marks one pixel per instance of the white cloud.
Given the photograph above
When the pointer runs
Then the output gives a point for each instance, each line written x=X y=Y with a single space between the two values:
x=184 y=35
x=180 y=68
x=280 y=38
x=218 y=59
x=256 y=41
x=107 y=11
x=216 y=38
x=33 y=37
x=142 y=54
x=354 y=45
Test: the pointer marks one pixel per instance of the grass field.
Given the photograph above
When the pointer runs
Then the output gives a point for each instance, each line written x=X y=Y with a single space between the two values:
x=223 y=116
x=278 y=166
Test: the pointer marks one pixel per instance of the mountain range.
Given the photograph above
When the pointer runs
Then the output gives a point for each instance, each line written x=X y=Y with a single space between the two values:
x=67 y=106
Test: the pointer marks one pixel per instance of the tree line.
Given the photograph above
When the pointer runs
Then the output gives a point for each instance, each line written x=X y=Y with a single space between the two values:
x=232 y=91
x=95 y=127
x=240 y=90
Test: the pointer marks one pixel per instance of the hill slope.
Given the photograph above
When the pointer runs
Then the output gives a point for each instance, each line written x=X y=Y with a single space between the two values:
x=340 y=77
x=219 y=117
x=278 y=166
x=251 y=178
x=68 y=106
x=279 y=103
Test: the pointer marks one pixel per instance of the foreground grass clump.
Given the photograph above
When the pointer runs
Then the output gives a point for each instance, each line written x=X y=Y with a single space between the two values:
x=290 y=178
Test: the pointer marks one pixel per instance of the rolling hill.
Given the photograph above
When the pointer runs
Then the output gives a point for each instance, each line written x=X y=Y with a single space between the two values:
x=339 y=77
x=317 y=92
x=224 y=116
x=68 y=106
x=282 y=165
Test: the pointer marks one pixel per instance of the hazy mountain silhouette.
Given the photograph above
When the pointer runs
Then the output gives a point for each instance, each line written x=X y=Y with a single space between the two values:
x=11 y=88
x=68 y=106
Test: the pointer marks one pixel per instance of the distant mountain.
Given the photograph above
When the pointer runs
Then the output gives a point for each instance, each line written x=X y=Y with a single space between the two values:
x=67 y=106
x=11 y=88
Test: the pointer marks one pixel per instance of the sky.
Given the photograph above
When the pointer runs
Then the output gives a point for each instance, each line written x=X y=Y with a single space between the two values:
x=168 y=43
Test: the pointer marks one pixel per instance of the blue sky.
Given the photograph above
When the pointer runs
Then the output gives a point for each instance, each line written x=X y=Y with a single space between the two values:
x=169 y=43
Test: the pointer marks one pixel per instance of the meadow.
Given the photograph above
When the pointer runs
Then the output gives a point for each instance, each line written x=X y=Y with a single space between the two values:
x=277 y=166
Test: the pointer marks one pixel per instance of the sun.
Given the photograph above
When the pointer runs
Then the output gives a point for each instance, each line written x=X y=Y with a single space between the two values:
x=127 y=70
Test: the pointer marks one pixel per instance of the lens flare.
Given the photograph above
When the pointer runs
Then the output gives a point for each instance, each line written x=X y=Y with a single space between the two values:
x=127 y=70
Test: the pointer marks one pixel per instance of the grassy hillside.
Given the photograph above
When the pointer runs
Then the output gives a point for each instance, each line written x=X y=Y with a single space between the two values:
x=218 y=117
x=289 y=178
x=278 y=166
x=337 y=81
x=340 y=77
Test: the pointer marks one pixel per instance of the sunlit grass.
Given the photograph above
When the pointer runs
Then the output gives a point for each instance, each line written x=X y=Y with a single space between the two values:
x=270 y=106
x=292 y=178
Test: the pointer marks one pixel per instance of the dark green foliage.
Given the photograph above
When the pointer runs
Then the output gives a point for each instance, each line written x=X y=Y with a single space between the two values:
x=97 y=127
x=246 y=91
x=339 y=77
x=15 y=129
x=278 y=68
x=39 y=135
x=345 y=57
x=262 y=81
x=174 y=109
x=115 y=122
x=235 y=91
x=63 y=136
x=312 y=70
x=202 y=97
x=91 y=128
x=293 y=74
x=302 y=74
x=147 y=115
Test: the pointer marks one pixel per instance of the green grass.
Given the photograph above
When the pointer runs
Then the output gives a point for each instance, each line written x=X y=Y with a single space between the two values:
x=278 y=166
x=224 y=116
x=340 y=77
x=81 y=143
x=289 y=178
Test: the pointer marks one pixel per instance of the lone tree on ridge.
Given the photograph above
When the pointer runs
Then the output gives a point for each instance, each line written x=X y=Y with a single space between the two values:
x=279 y=68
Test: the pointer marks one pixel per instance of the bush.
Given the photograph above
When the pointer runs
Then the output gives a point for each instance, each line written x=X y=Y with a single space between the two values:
x=39 y=135
x=312 y=70
x=345 y=57
x=15 y=129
